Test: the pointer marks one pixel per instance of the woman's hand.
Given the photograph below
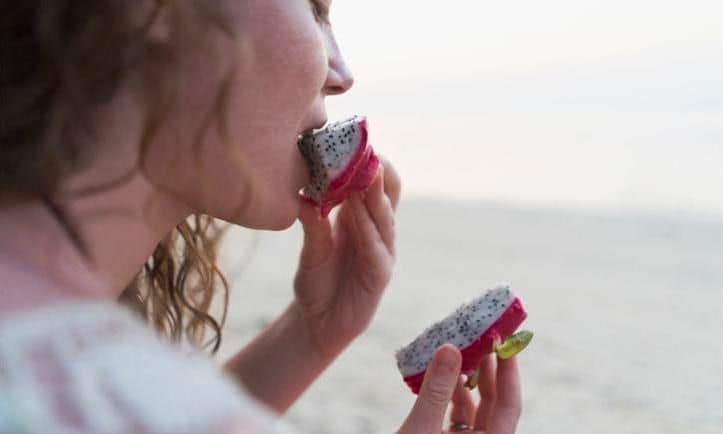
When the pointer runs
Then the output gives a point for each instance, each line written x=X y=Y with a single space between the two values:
x=500 y=401
x=343 y=270
x=345 y=266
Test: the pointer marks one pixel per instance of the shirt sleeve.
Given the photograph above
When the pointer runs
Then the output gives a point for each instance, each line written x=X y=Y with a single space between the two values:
x=101 y=371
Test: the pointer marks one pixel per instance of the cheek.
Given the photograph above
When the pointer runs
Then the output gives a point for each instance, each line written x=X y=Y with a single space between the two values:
x=281 y=70
x=288 y=51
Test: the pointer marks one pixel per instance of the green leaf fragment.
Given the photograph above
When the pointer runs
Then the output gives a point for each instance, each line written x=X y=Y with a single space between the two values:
x=473 y=380
x=513 y=345
x=505 y=350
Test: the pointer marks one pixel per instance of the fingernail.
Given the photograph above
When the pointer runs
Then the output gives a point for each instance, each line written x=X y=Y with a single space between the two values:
x=447 y=360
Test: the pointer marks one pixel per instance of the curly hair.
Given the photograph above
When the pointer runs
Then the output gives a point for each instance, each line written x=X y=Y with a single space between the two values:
x=61 y=59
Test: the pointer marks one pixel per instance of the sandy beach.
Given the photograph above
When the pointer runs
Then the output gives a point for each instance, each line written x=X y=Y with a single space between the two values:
x=627 y=311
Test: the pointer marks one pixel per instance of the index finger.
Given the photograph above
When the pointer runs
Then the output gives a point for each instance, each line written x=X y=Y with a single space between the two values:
x=392 y=182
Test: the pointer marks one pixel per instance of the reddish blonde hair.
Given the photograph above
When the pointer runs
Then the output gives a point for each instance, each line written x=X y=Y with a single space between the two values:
x=63 y=58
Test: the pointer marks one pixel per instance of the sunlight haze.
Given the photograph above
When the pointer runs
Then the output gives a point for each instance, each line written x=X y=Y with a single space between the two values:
x=605 y=104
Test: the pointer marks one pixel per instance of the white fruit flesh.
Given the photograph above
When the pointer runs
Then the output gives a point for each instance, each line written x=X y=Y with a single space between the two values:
x=460 y=328
x=330 y=151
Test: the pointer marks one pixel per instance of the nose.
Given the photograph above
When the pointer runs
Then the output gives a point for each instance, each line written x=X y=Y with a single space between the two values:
x=339 y=79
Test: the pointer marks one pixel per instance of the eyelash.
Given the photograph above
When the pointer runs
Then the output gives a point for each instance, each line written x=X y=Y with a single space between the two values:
x=321 y=12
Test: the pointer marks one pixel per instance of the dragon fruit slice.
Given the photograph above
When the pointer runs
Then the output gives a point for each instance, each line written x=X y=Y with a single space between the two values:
x=341 y=161
x=475 y=328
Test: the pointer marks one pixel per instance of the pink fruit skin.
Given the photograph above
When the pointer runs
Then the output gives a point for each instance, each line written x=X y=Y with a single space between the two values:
x=472 y=355
x=357 y=177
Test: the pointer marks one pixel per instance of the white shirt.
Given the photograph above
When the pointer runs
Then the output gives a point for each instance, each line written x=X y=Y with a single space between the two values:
x=94 y=368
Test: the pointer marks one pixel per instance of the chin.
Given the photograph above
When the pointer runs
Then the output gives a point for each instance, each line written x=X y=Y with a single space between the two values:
x=276 y=217
x=281 y=225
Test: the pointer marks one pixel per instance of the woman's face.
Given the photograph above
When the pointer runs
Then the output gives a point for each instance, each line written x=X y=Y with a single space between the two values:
x=286 y=63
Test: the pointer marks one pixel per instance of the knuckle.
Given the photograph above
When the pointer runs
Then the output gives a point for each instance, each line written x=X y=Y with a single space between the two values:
x=392 y=177
x=390 y=172
x=437 y=394
x=488 y=395
x=387 y=202
x=511 y=413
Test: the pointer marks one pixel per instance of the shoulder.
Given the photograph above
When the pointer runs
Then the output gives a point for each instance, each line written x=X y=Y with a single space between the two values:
x=94 y=368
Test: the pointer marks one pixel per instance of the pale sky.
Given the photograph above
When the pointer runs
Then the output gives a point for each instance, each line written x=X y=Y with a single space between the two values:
x=585 y=103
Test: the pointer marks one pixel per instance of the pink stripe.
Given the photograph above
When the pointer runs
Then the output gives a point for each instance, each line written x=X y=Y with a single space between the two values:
x=51 y=375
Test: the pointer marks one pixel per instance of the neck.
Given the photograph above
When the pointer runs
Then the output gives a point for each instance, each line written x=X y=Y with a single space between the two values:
x=119 y=224
x=40 y=263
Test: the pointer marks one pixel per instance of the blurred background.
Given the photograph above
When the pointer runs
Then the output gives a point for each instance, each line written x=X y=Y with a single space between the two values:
x=573 y=149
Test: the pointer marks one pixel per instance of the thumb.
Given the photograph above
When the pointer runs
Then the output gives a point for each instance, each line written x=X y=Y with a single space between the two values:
x=440 y=380
x=317 y=236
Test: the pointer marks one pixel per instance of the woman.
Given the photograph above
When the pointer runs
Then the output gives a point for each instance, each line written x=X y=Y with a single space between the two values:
x=127 y=127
